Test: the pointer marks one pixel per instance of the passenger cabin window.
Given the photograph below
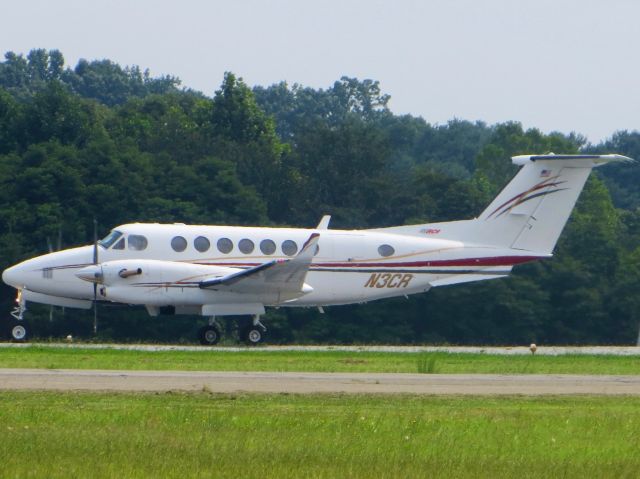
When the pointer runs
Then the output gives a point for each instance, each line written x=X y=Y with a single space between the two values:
x=225 y=245
x=119 y=244
x=137 y=242
x=246 y=246
x=110 y=239
x=179 y=244
x=289 y=247
x=201 y=244
x=386 y=250
x=267 y=247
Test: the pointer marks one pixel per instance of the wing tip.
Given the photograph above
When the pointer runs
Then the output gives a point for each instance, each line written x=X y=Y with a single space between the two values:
x=312 y=239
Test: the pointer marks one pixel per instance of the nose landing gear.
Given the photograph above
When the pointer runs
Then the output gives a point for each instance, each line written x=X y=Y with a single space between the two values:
x=18 y=331
x=18 y=328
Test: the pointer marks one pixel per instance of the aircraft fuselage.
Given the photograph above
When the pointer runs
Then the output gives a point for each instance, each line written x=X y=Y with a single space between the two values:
x=350 y=266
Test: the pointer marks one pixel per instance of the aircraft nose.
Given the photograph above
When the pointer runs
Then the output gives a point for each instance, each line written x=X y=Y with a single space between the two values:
x=92 y=273
x=15 y=276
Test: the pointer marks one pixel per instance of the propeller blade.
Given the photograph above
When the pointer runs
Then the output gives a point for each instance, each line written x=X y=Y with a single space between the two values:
x=95 y=285
x=95 y=314
x=95 y=241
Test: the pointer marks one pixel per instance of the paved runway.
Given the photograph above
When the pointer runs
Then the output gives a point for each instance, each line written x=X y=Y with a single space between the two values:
x=308 y=383
x=499 y=350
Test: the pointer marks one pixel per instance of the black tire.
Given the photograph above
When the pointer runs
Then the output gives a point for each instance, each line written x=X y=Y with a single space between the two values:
x=252 y=335
x=18 y=331
x=209 y=335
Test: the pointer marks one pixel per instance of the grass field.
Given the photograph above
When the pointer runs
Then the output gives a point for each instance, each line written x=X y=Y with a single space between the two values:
x=63 y=435
x=302 y=361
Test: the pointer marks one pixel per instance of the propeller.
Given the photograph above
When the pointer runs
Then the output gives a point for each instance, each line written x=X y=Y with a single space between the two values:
x=52 y=250
x=95 y=285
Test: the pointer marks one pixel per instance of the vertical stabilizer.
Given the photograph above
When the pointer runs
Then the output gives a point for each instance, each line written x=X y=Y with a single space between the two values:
x=531 y=211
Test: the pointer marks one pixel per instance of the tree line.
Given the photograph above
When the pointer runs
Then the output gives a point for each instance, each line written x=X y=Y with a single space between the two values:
x=118 y=145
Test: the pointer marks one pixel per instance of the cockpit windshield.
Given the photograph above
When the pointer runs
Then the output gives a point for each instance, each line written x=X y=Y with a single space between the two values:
x=111 y=238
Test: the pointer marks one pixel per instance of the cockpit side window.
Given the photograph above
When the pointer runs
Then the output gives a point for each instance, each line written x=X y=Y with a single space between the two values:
x=137 y=242
x=119 y=244
x=110 y=239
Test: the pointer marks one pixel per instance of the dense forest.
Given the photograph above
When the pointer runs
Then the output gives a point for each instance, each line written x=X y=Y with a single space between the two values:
x=118 y=145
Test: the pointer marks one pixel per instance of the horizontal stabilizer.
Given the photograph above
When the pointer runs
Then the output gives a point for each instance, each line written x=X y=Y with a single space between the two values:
x=582 y=160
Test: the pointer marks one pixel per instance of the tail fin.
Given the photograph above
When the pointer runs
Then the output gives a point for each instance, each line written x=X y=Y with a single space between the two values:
x=531 y=211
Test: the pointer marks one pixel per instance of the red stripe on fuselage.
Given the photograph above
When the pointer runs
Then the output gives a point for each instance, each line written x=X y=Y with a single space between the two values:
x=487 y=261
x=493 y=261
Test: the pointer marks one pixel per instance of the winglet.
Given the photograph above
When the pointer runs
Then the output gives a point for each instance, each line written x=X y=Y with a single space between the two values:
x=324 y=223
x=309 y=248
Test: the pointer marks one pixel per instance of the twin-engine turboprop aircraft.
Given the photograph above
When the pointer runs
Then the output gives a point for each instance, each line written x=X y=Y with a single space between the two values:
x=226 y=271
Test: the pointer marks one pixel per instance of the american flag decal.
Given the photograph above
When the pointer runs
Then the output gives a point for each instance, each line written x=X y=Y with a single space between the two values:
x=545 y=173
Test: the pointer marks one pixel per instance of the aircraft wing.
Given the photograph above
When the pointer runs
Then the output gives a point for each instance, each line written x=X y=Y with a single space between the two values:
x=284 y=276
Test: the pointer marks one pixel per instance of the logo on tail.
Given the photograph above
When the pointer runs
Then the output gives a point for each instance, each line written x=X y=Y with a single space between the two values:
x=530 y=194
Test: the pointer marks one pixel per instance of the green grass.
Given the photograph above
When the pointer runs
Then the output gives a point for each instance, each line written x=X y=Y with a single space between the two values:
x=331 y=361
x=63 y=435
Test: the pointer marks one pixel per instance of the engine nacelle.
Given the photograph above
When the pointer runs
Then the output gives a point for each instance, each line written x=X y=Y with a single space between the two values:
x=152 y=282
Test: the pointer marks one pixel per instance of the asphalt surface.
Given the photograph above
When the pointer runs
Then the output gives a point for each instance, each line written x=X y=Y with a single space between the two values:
x=499 y=350
x=311 y=383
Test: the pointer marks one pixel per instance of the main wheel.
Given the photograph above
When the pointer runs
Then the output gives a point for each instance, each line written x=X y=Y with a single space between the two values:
x=18 y=331
x=252 y=335
x=209 y=335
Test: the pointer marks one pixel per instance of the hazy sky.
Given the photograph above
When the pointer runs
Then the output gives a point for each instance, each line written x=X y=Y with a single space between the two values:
x=565 y=65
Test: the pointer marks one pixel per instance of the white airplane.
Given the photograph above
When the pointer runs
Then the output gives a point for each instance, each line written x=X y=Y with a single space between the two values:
x=227 y=270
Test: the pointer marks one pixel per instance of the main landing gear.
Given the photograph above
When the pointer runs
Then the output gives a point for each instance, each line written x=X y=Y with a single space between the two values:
x=210 y=334
x=18 y=329
x=252 y=333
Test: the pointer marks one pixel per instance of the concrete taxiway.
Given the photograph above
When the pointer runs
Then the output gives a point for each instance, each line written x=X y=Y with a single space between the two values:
x=310 y=383
x=498 y=350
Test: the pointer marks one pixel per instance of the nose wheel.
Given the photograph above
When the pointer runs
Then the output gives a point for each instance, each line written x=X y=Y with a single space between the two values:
x=18 y=328
x=18 y=331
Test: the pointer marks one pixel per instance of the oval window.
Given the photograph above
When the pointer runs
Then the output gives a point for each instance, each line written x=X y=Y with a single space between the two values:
x=267 y=246
x=289 y=247
x=179 y=244
x=225 y=245
x=386 y=250
x=137 y=242
x=246 y=246
x=201 y=244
